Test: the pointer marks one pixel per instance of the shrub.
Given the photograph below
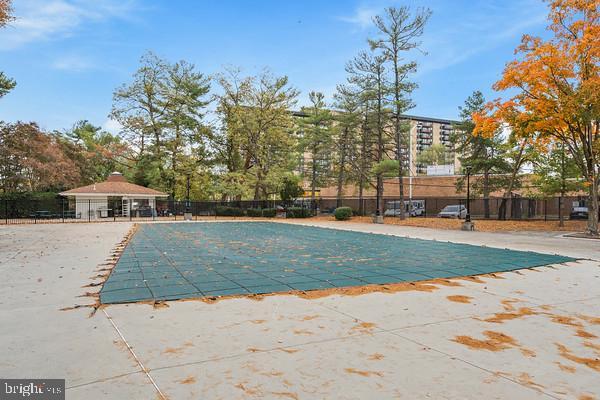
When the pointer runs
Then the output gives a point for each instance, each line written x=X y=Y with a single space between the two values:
x=298 y=212
x=343 y=213
x=269 y=212
x=254 y=212
x=223 y=211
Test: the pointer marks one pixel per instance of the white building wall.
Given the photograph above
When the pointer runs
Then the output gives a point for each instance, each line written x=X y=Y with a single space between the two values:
x=88 y=207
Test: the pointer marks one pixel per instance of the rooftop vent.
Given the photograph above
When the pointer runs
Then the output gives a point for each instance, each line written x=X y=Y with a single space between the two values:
x=116 y=177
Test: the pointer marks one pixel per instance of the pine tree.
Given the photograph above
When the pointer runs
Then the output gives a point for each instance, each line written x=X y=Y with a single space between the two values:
x=316 y=139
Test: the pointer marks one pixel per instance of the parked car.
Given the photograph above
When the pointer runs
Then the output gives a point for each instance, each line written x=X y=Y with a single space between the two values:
x=395 y=212
x=394 y=208
x=453 y=211
x=579 y=213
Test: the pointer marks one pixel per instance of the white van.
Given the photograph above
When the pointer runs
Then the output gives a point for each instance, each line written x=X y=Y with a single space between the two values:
x=414 y=208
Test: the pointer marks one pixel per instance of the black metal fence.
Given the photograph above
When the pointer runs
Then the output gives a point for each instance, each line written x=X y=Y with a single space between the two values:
x=105 y=210
x=515 y=208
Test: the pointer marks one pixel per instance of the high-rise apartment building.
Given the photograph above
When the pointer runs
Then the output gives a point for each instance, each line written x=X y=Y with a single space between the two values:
x=425 y=132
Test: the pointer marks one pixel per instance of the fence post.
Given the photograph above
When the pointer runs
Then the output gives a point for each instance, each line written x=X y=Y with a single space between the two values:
x=130 y=210
x=545 y=210
x=6 y=210
x=89 y=210
x=114 y=206
x=62 y=205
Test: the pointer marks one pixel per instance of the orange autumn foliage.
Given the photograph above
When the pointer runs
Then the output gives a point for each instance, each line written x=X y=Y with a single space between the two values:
x=5 y=12
x=557 y=81
x=557 y=89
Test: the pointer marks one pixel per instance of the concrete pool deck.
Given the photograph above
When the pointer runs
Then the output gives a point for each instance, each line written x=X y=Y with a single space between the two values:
x=530 y=334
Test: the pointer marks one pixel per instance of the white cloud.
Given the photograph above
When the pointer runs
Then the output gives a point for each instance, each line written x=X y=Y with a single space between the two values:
x=112 y=126
x=362 y=18
x=38 y=20
x=73 y=63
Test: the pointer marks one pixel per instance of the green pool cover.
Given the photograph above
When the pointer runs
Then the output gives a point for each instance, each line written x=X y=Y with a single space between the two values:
x=184 y=260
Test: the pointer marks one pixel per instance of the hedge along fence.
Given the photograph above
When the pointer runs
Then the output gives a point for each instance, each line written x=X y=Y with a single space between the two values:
x=298 y=212
x=224 y=211
x=261 y=212
x=269 y=212
x=292 y=212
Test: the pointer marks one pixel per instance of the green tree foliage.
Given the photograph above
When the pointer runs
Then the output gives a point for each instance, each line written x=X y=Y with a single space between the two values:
x=94 y=152
x=162 y=113
x=399 y=32
x=485 y=155
x=231 y=105
x=252 y=148
x=316 y=140
x=256 y=138
x=232 y=186
x=6 y=83
x=556 y=172
x=436 y=154
x=188 y=138
x=345 y=137
x=367 y=72
x=354 y=139
x=386 y=168
x=290 y=188
x=518 y=151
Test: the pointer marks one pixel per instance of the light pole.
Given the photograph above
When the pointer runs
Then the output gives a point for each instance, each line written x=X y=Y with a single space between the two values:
x=468 y=225
x=188 y=211
x=468 y=216
x=187 y=202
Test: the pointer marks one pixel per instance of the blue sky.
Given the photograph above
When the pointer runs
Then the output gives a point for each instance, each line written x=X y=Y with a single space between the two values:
x=69 y=55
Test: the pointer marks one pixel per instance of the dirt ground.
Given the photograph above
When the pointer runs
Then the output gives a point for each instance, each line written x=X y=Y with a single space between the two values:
x=435 y=223
x=480 y=225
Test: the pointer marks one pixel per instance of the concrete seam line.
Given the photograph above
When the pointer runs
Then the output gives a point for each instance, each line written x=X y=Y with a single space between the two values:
x=269 y=350
x=395 y=333
x=160 y=393
x=101 y=380
x=453 y=357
